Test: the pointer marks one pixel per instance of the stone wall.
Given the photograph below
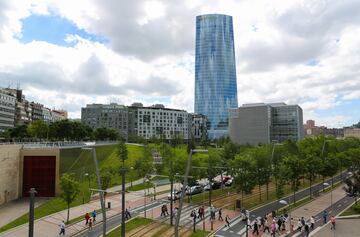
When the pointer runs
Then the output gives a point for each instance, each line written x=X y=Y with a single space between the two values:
x=9 y=172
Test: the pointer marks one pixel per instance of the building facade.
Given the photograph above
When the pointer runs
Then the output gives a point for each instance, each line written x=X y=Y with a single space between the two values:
x=352 y=132
x=111 y=116
x=310 y=130
x=215 y=71
x=7 y=110
x=198 y=126
x=37 y=110
x=261 y=123
x=58 y=115
x=157 y=121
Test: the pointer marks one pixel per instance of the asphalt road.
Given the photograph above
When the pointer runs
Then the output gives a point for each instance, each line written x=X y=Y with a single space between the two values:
x=237 y=227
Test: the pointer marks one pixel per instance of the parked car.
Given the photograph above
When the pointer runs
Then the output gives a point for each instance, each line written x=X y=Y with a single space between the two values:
x=215 y=185
x=194 y=190
x=226 y=178
x=176 y=195
x=229 y=182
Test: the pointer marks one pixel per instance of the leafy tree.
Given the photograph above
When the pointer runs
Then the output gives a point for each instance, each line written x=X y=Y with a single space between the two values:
x=69 y=190
x=294 y=169
x=262 y=168
x=105 y=134
x=311 y=166
x=19 y=132
x=38 y=129
x=144 y=164
x=244 y=175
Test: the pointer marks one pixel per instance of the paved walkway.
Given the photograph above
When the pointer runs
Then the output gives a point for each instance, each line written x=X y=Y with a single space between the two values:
x=344 y=228
x=14 y=209
x=48 y=226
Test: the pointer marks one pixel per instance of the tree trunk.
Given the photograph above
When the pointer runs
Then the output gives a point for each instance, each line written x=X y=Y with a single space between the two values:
x=267 y=191
x=242 y=198
x=323 y=181
x=68 y=213
x=260 y=192
x=310 y=180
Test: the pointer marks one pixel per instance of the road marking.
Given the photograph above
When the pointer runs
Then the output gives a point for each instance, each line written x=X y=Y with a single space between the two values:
x=232 y=224
x=345 y=201
x=318 y=220
x=339 y=205
x=242 y=231
x=231 y=231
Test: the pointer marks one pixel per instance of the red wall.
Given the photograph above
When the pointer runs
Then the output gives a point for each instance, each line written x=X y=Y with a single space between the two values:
x=39 y=173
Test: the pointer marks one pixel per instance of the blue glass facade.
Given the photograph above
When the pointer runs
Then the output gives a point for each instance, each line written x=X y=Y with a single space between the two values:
x=215 y=71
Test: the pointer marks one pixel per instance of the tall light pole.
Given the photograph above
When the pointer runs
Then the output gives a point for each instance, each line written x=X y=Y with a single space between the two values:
x=177 y=221
x=284 y=202
x=31 y=211
x=331 y=198
x=323 y=158
x=101 y=193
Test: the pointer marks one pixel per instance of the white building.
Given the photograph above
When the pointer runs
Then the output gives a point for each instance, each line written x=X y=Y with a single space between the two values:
x=198 y=126
x=7 y=110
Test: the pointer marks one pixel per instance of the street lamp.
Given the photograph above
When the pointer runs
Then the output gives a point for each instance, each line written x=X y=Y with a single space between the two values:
x=101 y=193
x=147 y=181
x=177 y=221
x=332 y=207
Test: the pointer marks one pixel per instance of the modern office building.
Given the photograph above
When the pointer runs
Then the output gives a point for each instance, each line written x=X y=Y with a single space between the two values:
x=215 y=71
x=263 y=123
x=7 y=110
x=112 y=116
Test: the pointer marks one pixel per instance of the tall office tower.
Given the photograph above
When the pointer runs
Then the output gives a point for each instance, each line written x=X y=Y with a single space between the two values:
x=215 y=72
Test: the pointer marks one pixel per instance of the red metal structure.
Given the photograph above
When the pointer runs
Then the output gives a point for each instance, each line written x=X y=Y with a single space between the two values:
x=39 y=173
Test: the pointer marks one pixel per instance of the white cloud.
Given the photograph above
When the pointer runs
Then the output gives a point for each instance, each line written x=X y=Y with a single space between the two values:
x=151 y=52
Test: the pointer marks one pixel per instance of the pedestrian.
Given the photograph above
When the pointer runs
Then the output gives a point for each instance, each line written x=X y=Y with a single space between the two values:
x=127 y=214
x=87 y=217
x=227 y=220
x=256 y=228
x=199 y=213
x=93 y=214
x=333 y=221
x=299 y=225
x=302 y=221
x=266 y=226
x=192 y=214
x=312 y=223
x=220 y=215
x=273 y=229
x=62 y=228
x=307 y=229
x=325 y=214
x=162 y=211
x=90 y=224
x=262 y=222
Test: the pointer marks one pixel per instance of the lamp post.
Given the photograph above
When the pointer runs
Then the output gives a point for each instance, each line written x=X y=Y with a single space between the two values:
x=101 y=192
x=284 y=202
x=331 y=198
x=147 y=181
x=177 y=221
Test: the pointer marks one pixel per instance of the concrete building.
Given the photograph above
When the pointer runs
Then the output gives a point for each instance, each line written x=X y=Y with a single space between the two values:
x=36 y=111
x=199 y=125
x=111 y=116
x=262 y=123
x=7 y=110
x=215 y=71
x=310 y=130
x=352 y=132
x=58 y=115
x=47 y=115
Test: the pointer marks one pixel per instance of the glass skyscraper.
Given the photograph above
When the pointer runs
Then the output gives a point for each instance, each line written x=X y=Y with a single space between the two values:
x=215 y=71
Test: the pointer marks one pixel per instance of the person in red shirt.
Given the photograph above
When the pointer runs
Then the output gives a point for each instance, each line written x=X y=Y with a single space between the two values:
x=87 y=217
x=333 y=221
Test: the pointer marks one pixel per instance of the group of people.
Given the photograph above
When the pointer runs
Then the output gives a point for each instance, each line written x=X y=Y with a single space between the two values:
x=201 y=214
x=90 y=219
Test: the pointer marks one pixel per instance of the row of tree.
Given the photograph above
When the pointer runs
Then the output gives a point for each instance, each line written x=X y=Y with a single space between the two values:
x=59 y=130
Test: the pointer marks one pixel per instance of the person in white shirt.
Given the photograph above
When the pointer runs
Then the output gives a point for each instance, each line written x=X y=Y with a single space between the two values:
x=312 y=223
x=62 y=228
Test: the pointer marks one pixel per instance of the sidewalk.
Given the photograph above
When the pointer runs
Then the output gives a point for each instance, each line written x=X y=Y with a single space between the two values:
x=48 y=226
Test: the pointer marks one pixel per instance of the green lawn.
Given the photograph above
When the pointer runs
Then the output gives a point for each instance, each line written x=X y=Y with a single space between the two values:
x=130 y=225
x=353 y=210
x=199 y=233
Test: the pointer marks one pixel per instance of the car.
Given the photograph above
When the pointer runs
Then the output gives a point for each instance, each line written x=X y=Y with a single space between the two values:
x=194 y=190
x=176 y=195
x=229 y=182
x=215 y=185
x=226 y=178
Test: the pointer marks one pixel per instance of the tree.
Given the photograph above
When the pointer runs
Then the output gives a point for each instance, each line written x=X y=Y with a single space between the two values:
x=69 y=190
x=262 y=168
x=144 y=164
x=105 y=134
x=38 y=129
x=244 y=175
x=19 y=132
x=294 y=169
x=312 y=164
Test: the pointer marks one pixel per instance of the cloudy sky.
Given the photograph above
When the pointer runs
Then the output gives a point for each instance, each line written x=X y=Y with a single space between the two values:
x=67 y=53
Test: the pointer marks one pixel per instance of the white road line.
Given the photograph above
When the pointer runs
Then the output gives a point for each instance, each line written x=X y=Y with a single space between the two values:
x=231 y=231
x=242 y=231
x=232 y=224
x=339 y=205
x=345 y=201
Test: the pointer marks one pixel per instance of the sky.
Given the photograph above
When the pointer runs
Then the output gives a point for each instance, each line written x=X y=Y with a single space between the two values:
x=66 y=54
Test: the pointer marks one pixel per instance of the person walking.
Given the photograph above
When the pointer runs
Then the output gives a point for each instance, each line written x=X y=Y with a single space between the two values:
x=166 y=210
x=333 y=222
x=307 y=229
x=90 y=224
x=256 y=228
x=325 y=215
x=273 y=229
x=87 y=217
x=299 y=225
x=62 y=228
x=162 y=211
x=312 y=223
x=127 y=214
x=266 y=226
x=93 y=214
x=220 y=215
x=227 y=220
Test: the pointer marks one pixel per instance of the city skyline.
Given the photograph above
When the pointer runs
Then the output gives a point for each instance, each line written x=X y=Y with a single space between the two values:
x=66 y=54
